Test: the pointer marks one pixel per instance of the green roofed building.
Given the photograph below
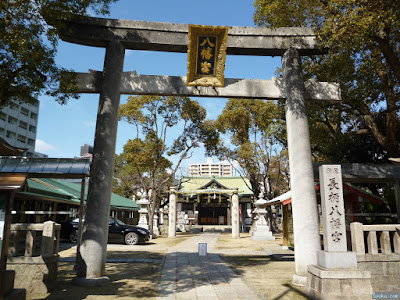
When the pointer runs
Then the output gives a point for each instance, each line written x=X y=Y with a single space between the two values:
x=206 y=199
x=43 y=199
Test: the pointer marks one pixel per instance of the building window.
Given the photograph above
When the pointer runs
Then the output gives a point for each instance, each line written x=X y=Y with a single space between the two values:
x=23 y=125
x=10 y=134
x=12 y=120
x=21 y=138
x=24 y=111
x=3 y=116
x=1 y=131
x=32 y=128
x=31 y=142
x=14 y=106
x=33 y=116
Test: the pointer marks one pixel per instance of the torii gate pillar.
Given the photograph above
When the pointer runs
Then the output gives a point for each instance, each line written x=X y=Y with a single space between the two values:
x=304 y=204
x=92 y=256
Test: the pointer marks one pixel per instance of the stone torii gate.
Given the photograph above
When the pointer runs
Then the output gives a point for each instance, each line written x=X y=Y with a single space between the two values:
x=118 y=35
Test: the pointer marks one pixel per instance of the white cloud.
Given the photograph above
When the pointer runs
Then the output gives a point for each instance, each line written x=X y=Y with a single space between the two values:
x=42 y=146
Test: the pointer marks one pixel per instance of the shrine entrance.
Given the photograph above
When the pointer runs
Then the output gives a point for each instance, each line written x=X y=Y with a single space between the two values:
x=116 y=36
x=213 y=214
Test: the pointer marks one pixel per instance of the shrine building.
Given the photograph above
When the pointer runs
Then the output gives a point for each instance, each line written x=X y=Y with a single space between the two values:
x=207 y=199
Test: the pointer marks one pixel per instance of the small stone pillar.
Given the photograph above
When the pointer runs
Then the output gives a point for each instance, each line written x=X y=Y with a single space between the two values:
x=172 y=213
x=164 y=216
x=261 y=231
x=48 y=238
x=143 y=211
x=336 y=266
x=181 y=221
x=155 y=225
x=304 y=204
x=235 y=215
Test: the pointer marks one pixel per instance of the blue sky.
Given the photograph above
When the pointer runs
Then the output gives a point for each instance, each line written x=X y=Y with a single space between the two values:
x=62 y=129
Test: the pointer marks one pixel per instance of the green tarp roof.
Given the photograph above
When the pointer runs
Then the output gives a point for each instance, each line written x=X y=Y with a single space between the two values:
x=70 y=191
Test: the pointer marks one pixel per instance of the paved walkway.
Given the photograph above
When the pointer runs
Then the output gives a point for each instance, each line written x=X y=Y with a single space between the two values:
x=186 y=275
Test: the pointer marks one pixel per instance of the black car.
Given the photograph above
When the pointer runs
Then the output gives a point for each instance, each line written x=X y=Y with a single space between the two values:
x=118 y=231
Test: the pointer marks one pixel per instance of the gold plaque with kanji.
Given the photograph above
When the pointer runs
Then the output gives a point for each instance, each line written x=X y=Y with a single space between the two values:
x=206 y=55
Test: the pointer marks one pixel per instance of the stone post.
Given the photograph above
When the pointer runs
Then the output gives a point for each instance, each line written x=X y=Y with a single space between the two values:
x=155 y=225
x=172 y=213
x=143 y=211
x=305 y=214
x=92 y=256
x=336 y=274
x=235 y=215
x=334 y=255
x=48 y=237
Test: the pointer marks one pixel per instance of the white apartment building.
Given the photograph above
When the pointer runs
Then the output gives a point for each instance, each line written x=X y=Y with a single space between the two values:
x=211 y=169
x=18 y=125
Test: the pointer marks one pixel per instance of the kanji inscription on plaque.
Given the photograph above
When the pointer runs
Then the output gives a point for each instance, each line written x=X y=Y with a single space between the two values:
x=333 y=213
x=206 y=55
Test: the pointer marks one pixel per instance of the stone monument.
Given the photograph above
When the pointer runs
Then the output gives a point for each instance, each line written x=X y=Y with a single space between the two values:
x=336 y=275
x=143 y=202
x=261 y=231
x=181 y=222
x=156 y=232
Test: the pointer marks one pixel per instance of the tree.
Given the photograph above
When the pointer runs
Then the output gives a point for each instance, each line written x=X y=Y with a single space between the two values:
x=253 y=127
x=145 y=157
x=28 y=46
x=363 y=38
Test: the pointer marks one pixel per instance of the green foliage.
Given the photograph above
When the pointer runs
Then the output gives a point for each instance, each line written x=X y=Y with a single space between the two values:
x=28 y=47
x=364 y=52
x=144 y=163
x=254 y=127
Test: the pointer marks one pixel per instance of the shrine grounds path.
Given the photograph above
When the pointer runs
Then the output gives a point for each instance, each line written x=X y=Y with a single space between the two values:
x=170 y=268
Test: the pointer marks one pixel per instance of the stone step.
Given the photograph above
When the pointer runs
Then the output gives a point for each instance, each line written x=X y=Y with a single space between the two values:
x=217 y=228
x=196 y=229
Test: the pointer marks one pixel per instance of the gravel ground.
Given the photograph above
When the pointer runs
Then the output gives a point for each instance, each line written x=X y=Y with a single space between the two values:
x=270 y=276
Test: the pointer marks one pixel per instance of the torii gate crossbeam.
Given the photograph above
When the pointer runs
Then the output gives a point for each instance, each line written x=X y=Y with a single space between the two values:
x=118 y=35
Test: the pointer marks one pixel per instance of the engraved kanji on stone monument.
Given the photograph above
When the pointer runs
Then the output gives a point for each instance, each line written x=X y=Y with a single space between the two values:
x=333 y=208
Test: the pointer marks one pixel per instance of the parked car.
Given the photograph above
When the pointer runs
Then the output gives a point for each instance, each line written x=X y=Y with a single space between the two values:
x=118 y=231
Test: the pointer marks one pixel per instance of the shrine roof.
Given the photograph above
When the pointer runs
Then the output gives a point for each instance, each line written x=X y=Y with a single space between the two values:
x=45 y=167
x=347 y=189
x=61 y=190
x=211 y=184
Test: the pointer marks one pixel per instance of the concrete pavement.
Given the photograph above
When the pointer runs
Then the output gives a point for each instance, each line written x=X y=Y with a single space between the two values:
x=186 y=275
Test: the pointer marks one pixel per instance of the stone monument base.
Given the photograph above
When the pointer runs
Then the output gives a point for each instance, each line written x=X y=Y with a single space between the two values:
x=35 y=274
x=335 y=284
x=143 y=225
x=337 y=260
x=262 y=233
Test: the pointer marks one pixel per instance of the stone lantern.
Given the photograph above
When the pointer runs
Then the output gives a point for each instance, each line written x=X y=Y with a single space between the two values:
x=261 y=231
x=143 y=202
